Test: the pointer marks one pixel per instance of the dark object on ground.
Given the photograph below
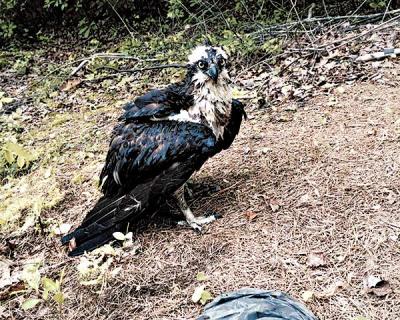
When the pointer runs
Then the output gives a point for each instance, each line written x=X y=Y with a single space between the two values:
x=252 y=304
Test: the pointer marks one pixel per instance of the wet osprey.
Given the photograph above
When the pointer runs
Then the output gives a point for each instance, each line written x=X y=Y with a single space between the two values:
x=163 y=137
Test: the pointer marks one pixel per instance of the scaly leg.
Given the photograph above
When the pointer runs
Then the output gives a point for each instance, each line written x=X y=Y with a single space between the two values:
x=199 y=190
x=191 y=220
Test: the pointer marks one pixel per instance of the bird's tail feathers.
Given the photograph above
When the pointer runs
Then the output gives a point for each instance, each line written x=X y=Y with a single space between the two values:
x=108 y=216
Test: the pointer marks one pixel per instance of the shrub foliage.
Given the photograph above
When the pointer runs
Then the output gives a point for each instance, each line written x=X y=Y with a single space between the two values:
x=30 y=18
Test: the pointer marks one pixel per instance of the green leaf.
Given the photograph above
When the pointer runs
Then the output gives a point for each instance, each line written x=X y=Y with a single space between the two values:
x=59 y=297
x=14 y=150
x=31 y=276
x=90 y=282
x=119 y=236
x=201 y=276
x=20 y=162
x=50 y=285
x=45 y=294
x=205 y=296
x=197 y=293
x=7 y=100
x=8 y=156
x=29 y=303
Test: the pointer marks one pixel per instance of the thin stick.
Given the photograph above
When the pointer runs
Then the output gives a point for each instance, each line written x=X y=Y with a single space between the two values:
x=79 y=67
x=386 y=10
x=120 y=18
x=301 y=23
x=347 y=40
x=103 y=55
x=325 y=19
x=136 y=71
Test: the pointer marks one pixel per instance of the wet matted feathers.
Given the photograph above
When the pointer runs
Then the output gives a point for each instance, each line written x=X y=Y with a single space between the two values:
x=161 y=139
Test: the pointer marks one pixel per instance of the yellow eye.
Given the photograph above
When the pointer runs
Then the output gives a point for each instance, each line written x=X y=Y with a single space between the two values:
x=222 y=62
x=201 y=64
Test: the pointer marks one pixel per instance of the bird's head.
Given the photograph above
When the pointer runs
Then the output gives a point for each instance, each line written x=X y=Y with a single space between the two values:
x=208 y=63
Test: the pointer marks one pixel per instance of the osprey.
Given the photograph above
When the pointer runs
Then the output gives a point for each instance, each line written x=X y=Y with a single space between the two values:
x=162 y=138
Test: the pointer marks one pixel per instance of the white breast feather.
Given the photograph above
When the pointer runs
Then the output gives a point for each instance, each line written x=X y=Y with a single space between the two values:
x=209 y=98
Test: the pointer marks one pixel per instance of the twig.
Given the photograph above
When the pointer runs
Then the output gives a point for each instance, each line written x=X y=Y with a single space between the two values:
x=325 y=9
x=102 y=55
x=345 y=41
x=120 y=18
x=386 y=10
x=117 y=55
x=301 y=23
x=379 y=55
x=324 y=19
x=79 y=67
x=391 y=224
x=359 y=7
x=136 y=71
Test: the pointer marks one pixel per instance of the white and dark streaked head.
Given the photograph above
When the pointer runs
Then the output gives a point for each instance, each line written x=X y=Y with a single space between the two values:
x=209 y=64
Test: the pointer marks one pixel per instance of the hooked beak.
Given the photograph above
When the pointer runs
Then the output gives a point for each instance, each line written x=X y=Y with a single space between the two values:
x=212 y=72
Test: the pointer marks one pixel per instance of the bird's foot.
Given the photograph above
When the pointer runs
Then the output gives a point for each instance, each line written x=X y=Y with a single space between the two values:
x=196 y=223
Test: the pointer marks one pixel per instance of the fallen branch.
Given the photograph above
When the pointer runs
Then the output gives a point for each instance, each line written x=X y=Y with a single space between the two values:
x=85 y=60
x=76 y=70
x=137 y=70
x=344 y=41
x=379 y=55
x=325 y=19
x=380 y=26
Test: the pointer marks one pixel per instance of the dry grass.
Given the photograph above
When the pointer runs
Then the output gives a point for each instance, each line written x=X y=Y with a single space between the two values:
x=334 y=168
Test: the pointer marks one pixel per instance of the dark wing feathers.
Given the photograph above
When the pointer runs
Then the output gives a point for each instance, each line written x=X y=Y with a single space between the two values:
x=139 y=152
x=110 y=214
x=156 y=104
x=233 y=126
x=146 y=162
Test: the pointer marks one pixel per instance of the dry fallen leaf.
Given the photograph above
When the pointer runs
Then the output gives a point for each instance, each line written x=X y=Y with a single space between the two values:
x=9 y=279
x=377 y=286
x=331 y=290
x=316 y=259
x=307 y=295
x=70 y=84
x=250 y=215
x=274 y=204
x=5 y=273
x=62 y=229
x=305 y=200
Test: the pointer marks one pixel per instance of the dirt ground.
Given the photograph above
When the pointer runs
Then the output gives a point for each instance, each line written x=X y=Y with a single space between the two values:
x=323 y=179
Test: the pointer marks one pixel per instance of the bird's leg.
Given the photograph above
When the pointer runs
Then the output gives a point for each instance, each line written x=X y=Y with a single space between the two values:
x=191 y=220
x=197 y=190
x=188 y=190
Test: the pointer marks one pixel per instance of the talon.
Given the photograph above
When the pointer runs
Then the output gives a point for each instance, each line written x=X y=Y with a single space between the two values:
x=217 y=215
x=196 y=227
x=214 y=214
